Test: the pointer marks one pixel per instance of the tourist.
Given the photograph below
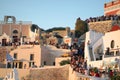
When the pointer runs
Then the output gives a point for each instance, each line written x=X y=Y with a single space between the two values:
x=110 y=74
x=97 y=74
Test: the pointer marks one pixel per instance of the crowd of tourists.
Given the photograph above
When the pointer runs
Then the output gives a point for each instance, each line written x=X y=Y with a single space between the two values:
x=79 y=64
x=103 y=18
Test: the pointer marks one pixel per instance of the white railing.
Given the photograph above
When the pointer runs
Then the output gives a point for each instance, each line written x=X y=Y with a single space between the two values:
x=12 y=76
x=85 y=77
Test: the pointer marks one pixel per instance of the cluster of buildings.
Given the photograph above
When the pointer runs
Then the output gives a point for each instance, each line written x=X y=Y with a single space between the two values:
x=27 y=44
x=13 y=36
x=24 y=43
x=102 y=41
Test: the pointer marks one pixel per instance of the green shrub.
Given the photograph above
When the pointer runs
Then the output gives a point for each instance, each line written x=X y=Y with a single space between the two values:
x=117 y=77
x=64 y=62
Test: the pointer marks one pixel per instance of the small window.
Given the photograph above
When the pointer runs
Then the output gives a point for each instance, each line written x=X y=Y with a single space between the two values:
x=117 y=52
x=112 y=44
x=16 y=65
x=15 y=55
x=107 y=51
x=44 y=62
x=31 y=56
x=54 y=63
x=31 y=64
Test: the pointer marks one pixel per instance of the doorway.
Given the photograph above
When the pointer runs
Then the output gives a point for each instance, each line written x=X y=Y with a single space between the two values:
x=15 y=38
x=4 y=41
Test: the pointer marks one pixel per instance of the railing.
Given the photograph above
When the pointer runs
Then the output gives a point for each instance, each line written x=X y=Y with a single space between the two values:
x=85 y=77
x=17 y=22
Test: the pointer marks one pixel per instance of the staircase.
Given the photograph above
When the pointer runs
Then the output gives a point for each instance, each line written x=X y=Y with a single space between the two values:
x=97 y=43
x=93 y=46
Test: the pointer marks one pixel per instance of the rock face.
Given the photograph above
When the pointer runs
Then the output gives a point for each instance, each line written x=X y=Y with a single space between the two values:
x=49 y=73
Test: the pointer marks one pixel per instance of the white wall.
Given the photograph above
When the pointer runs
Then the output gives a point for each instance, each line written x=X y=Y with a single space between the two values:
x=108 y=37
x=86 y=51
x=92 y=37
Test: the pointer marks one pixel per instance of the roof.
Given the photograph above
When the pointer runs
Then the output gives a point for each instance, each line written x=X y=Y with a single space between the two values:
x=115 y=27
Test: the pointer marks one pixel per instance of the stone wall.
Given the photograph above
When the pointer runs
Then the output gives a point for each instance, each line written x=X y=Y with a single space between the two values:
x=21 y=72
x=101 y=26
x=4 y=72
x=49 y=73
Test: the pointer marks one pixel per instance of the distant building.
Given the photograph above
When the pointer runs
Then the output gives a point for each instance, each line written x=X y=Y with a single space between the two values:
x=25 y=56
x=57 y=36
x=112 y=8
x=18 y=31
x=66 y=32
x=100 y=48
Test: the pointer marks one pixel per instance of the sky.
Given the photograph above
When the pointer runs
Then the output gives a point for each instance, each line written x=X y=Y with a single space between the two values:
x=52 y=13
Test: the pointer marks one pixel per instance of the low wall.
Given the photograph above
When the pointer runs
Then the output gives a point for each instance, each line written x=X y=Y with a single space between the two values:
x=4 y=72
x=78 y=76
x=21 y=72
x=2 y=65
x=101 y=26
x=98 y=64
x=49 y=73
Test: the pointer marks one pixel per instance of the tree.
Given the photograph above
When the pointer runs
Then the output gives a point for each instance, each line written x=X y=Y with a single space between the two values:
x=55 y=28
x=34 y=26
x=80 y=27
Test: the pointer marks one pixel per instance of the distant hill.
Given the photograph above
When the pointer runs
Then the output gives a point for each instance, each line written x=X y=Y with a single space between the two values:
x=34 y=26
x=55 y=28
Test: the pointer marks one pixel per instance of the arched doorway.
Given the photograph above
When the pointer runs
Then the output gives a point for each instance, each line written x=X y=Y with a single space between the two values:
x=4 y=42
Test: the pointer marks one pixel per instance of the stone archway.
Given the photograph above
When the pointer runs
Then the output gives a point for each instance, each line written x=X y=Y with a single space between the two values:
x=6 y=18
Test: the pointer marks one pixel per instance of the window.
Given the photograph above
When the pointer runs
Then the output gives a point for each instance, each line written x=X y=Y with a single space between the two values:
x=15 y=32
x=20 y=64
x=31 y=64
x=16 y=65
x=107 y=51
x=44 y=62
x=31 y=56
x=117 y=53
x=112 y=44
x=54 y=63
x=15 y=55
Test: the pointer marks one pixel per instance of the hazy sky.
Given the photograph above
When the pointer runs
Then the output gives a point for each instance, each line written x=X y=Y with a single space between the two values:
x=52 y=13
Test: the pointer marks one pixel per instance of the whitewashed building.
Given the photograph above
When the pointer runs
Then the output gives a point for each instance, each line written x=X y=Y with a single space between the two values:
x=102 y=50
